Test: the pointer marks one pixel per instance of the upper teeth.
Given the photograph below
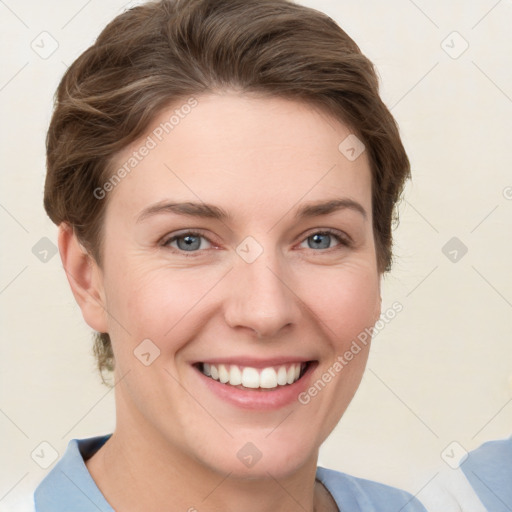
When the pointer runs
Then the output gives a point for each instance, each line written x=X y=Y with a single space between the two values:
x=267 y=378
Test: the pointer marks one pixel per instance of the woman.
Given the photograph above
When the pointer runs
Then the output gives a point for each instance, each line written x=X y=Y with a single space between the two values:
x=224 y=176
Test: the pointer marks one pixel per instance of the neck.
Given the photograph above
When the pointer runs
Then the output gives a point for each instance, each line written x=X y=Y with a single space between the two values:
x=137 y=473
x=141 y=469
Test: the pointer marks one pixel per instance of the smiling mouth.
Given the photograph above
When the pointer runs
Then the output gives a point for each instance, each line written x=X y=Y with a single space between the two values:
x=246 y=377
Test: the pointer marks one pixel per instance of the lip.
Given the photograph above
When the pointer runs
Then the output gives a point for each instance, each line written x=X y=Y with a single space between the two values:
x=257 y=399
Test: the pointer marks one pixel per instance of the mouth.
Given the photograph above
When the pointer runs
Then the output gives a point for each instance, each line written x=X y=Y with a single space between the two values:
x=269 y=378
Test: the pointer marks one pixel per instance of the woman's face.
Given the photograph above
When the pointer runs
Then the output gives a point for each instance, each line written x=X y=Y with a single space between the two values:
x=239 y=244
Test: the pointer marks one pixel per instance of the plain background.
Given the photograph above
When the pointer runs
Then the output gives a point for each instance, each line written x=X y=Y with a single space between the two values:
x=439 y=372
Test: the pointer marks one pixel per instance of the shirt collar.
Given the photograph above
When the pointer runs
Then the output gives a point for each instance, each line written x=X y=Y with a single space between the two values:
x=69 y=485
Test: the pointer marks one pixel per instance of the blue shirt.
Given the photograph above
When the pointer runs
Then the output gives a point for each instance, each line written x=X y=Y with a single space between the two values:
x=489 y=471
x=70 y=487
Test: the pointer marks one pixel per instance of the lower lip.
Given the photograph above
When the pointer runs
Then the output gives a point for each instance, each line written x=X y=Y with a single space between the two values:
x=256 y=398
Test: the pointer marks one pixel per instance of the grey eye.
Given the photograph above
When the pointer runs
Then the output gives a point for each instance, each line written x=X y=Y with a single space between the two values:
x=319 y=241
x=188 y=242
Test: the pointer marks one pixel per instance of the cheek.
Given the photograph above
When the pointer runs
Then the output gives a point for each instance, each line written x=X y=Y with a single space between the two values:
x=155 y=303
x=345 y=302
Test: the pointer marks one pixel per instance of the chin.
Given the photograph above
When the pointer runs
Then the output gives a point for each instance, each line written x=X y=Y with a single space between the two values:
x=262 y=458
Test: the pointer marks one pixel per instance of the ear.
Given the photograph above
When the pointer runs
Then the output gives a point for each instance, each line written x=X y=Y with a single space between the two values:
x=84 y=277
x=378 y=304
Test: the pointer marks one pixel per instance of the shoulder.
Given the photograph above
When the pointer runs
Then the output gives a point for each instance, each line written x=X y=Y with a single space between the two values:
x=479 y=481
x=69 y=485
x=491 y=455
x=489 y=471
x=361 y=495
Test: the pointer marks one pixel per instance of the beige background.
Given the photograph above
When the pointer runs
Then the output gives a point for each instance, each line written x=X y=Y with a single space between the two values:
x=439 y=372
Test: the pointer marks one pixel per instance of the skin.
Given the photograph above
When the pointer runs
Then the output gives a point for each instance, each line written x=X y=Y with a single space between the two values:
x=175 y=444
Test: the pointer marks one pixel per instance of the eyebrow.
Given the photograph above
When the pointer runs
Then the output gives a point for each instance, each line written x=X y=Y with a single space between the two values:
x=190 y=209
x=205 y=210
x=327 y=207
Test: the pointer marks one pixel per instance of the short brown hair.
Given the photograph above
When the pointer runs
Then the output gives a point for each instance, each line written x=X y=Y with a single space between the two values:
x=161 y=52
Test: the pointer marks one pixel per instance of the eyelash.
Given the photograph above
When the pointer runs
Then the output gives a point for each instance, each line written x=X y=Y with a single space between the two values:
x=344 y=241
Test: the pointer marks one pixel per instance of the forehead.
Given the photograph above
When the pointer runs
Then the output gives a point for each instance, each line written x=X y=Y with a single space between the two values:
x=242 y=149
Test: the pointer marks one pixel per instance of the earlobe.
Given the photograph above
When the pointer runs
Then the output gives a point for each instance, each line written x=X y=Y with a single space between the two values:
x=84 y=277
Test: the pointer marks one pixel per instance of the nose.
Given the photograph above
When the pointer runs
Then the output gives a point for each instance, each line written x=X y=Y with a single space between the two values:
x=260 y=299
